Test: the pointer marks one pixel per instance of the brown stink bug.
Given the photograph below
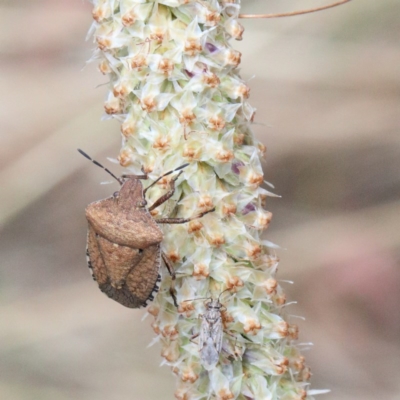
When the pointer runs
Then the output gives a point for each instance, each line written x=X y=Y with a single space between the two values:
x=123 y=242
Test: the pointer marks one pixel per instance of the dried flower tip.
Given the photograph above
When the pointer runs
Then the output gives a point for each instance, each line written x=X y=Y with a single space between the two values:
x=113 y=106
x=187 y=117
x=162 y=143
x=149 y=104
x=188 y=375
x=280 y=300
x=138 y=61
x=253 y=251
x=305 y=374
x=124 y=158
x=170 y=351
x=255 y=179
x=225 y=394
x=216 y=240
x=205 y=202
x=212 y=18
x=101 y=12
x=270 y=285
x=104 y=67
x=166 y=66
x=224 y=156
x=216 y=123
x=201 y=271
x=153 y=310
x=235 y=29
x=228 y=209
x=170 y=332
x=211 y=80
x=238 y=138
x=193 y=47
x=282 y=328
x=282 y=366
x=262 y=147
x=298 y=363
x=103 y=43
x=174 y=256
x=194 y=226
x=129 y=18
x=251 y=326
x=120 y=90
x=234 y=283
x=293 y=331
x=233 y=57
x=186 y=307
x=156 y=328
x=191 y=153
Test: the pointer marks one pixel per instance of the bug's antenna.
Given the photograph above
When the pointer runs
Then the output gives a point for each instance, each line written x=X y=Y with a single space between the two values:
x=290 y=14
x=221 y=293
x=162 y=176
x=99 y=165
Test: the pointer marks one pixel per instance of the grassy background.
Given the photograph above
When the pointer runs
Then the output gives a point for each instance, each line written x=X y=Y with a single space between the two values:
x=326 y=87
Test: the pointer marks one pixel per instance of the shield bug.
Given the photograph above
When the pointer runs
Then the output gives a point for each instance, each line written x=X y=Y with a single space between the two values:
x=123 y=243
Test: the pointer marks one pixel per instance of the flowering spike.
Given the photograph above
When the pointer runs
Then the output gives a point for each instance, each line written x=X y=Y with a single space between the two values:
x=176 y=89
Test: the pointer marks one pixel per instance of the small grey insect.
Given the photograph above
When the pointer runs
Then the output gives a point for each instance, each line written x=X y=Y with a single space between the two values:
x=211 y=333
x=123 y=243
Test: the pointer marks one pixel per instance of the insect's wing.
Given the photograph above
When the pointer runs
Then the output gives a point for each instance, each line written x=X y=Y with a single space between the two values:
x=204 y=331
x=94 y=258
x=218 y=333
x=209 y=355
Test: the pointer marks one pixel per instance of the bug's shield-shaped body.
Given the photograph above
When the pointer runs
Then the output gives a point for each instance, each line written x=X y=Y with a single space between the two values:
x=123 y=246
x=211 y=331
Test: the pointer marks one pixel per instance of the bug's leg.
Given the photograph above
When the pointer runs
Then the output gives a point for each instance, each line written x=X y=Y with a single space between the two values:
x=162 y=176
x=182 y=220
x=130 y=176
x=167 y=195
x=171 y=271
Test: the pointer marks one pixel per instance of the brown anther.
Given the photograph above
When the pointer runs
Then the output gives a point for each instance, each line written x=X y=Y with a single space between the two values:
x=147 y=169
x=226 y=318
x=263 y=198
x=173 y=256
x=224 y=156
x=216 y=123
x=189 y=376
x=255 y=179
x=305 y=375
x=154 y=212
x=129 y=18
x=194 y=226
x=113 y=106
x=262 y=147
x=234 y=283
x=282 y=328
x=270 y=285
x=170 y=354
x=149 y=104
x=192 y=47
x=157 y=36
x=120 y=90
x=99 y=13
x=186 y=307
x=251 y=326
x=103 y=43
x=156 y=328
x=233 y=58
x=298 y=363
x=187 y=117
x=124 y=158
x=205 y=201
x=170 y=332
x=180 y=395
x=153 y=310
x=293 y=331
x=138 y=61
x=280 y=300
x=191 y=153
x=128 y=128
x=244 y=91
x=225 y=394
x=164 y=182
x=201 y=271
x=162 y=143
x=165 y=66
x=211 y=80
x=264 y=219
x=217 y=240
x=238 y=139
x=212 y=18
x=253 y=251
x=282 y=366
x=237 y=32
x=302 y=394
x=228 y=209
x=104 y=67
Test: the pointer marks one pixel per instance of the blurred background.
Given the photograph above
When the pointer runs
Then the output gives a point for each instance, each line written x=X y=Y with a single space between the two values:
x=327 y=90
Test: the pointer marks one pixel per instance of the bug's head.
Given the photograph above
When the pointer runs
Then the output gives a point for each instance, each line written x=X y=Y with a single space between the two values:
x=131 y=194
x=213 y=304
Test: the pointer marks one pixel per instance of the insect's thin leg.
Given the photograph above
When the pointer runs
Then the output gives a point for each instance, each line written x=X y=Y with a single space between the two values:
x=194 y=337
x=167 y=195
x=162 y=176
x=171 y=271
x=182 y=220
x=99 y=165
